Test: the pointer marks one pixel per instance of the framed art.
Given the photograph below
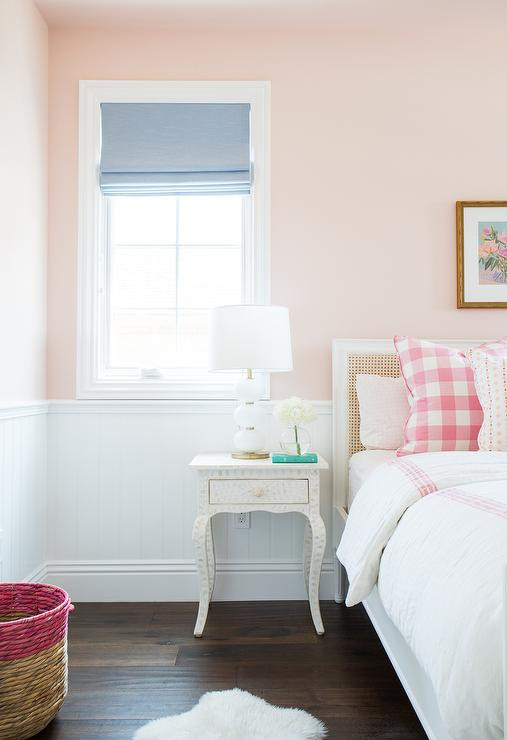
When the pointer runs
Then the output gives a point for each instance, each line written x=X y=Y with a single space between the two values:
x=481 y=241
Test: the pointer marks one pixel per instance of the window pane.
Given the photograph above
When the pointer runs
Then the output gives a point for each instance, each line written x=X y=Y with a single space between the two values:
x=143 y=339
x=143 y=277
x=143 y=220
x=160 y=294
x=211 y=219
x=193 y=338
x=209 y=276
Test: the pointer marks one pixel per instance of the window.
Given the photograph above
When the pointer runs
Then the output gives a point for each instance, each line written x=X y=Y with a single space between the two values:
x=156 y=254
x=169 y=260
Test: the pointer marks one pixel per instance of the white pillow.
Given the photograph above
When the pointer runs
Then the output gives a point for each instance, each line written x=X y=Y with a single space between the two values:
x=490 y=376
x=383 y=409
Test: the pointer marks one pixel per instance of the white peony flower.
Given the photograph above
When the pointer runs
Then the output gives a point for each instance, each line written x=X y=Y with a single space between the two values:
x=294 y=411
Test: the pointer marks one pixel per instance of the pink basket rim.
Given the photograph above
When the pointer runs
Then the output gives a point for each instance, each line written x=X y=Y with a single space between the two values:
x=65 y=603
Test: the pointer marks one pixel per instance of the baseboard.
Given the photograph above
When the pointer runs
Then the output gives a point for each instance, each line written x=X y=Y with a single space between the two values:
x=38 y=575
x=176 y=580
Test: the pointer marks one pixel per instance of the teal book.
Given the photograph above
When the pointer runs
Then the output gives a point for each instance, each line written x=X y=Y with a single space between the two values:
x=310 y=457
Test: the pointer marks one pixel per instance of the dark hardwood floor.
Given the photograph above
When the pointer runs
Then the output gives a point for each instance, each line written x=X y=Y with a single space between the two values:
x=130 y=663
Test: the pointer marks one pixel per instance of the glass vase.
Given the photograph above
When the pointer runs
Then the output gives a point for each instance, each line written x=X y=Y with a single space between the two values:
x=295 y=440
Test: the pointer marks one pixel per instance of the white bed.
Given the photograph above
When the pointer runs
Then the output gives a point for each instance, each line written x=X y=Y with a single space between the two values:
x=351 y=468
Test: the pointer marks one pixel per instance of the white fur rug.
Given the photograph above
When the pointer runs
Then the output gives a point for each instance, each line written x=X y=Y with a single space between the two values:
x=234 y=715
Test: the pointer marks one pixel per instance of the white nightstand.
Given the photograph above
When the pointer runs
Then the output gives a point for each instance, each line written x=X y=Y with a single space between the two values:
x=233 y=486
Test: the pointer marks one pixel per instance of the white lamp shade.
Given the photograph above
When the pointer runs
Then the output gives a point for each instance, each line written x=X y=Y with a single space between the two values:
x=256 y=337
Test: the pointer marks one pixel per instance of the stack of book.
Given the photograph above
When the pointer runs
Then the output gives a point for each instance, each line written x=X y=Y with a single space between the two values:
x=310 y=457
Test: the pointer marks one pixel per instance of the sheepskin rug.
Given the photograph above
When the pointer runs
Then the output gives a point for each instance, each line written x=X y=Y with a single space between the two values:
x=234 y=715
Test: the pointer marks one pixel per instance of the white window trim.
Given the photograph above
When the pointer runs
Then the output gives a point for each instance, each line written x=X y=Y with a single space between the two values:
x=91 y=94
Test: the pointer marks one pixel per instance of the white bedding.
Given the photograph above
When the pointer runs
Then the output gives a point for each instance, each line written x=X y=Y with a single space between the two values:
x=431 y=529
x=361 y=466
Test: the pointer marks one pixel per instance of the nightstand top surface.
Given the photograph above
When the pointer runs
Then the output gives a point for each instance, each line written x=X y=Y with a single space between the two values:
x=225 y=460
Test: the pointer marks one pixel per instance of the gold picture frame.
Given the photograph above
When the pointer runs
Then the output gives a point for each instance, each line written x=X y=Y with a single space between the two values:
x=481 y=265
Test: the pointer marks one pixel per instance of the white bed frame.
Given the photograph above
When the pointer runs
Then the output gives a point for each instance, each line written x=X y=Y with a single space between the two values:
x=413 y=678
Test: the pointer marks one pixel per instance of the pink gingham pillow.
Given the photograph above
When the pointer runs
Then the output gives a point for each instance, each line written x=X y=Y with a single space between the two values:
x=445 y=413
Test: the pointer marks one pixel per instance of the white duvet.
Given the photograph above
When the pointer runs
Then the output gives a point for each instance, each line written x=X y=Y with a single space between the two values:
x=431 y=531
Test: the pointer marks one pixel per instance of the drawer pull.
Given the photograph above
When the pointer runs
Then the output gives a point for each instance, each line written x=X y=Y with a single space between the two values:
x=259 y=492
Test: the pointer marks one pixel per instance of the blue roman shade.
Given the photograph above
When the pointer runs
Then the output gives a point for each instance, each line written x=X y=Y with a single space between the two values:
x=175 y=148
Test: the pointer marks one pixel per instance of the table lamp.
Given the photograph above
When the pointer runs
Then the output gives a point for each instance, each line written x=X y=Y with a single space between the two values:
x=250 y=337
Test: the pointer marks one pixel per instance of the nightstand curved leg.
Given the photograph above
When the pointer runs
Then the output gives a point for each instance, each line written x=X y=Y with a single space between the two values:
x=318 y=547
x=201 y=554
x=210 y=548
x=307 y=553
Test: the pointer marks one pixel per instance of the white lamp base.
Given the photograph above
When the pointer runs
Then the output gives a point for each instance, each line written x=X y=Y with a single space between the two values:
x=248 y=440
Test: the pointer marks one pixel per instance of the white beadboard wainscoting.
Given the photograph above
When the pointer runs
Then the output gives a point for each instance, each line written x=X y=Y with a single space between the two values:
x=122 y=501
x=23 y=503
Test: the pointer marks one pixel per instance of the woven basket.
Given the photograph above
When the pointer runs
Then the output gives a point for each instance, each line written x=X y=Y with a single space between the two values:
x=33 y=657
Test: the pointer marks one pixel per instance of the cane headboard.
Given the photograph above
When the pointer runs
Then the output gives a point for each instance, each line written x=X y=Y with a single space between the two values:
x=350 y=358
x=375 y=363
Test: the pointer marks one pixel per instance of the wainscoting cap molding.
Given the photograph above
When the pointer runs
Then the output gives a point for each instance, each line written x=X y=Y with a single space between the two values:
x=29 y=408
x=57 y=406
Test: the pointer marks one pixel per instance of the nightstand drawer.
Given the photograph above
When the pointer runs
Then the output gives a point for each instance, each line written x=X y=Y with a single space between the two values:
x=237 y=491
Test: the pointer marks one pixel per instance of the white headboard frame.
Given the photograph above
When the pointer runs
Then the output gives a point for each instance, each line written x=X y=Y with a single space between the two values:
x=343 y=351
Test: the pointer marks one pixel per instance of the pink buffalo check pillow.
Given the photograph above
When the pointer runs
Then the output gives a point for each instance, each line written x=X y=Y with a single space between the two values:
x=445 y=412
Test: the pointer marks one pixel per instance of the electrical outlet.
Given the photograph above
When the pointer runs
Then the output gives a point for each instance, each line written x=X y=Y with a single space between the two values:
x=242 y=520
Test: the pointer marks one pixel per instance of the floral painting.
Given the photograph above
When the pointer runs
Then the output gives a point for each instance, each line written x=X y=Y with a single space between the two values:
x=481 y=263
x=492 y=252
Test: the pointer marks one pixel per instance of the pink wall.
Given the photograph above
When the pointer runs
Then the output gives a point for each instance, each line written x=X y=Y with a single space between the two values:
x=23 y=201
x=376 y=132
